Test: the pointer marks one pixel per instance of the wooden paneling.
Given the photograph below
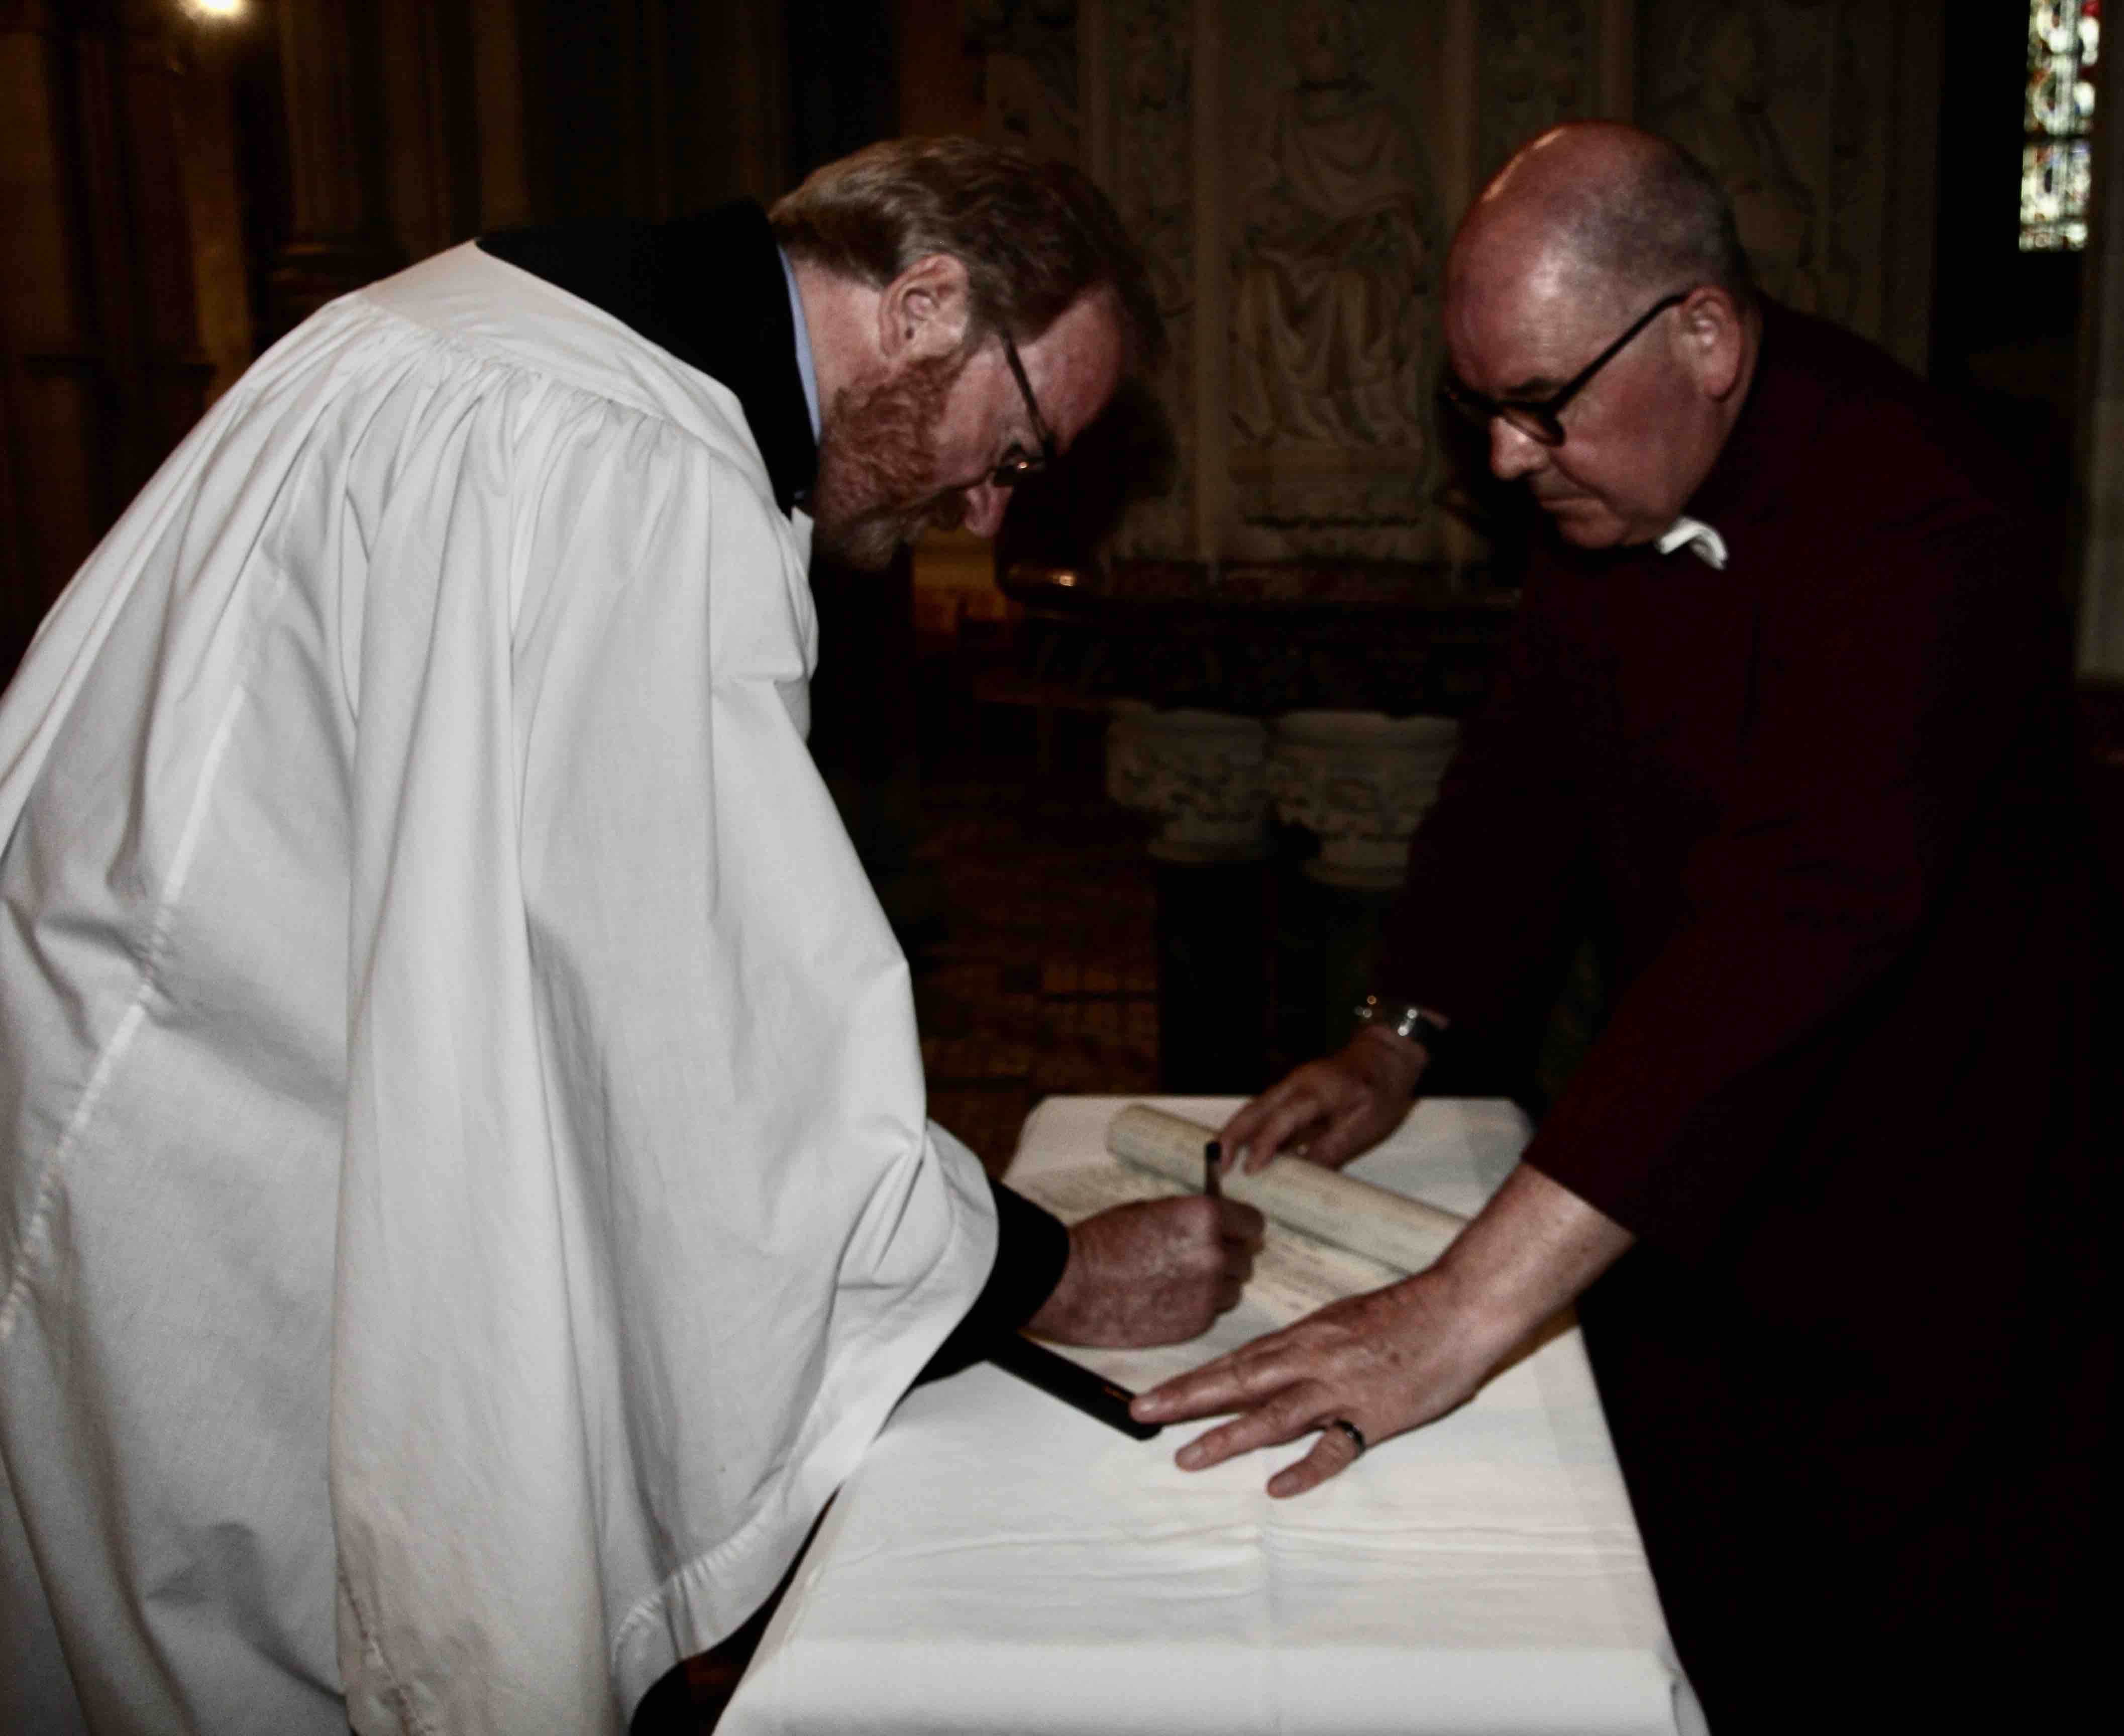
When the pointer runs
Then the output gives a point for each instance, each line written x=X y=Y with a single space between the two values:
x=103 y=371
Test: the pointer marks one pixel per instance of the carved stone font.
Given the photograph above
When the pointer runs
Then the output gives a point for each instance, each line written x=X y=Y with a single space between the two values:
x=1361 y=781
x=1198 y=774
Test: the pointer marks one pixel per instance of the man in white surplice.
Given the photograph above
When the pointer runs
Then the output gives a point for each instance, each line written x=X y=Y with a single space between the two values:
x=467 y=1194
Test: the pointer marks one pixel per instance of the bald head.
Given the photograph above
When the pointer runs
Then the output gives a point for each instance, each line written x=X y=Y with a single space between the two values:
x=1622 y=213
x=1601 y=324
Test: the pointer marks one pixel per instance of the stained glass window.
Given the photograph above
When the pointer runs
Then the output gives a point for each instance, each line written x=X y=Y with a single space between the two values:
x=2056 y=158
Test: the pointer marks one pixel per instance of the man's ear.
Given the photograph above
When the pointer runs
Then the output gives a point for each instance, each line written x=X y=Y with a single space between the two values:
x=924 y=310
x=1712 y=337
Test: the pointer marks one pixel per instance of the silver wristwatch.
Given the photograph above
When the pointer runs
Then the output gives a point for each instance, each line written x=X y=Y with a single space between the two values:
x=1404 y=1018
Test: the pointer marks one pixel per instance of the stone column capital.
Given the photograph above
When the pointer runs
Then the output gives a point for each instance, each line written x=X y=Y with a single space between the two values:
x=1360 y=781
x=1199 y=773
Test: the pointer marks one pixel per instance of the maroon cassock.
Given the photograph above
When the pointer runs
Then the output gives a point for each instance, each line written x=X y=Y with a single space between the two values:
x=1824 y=808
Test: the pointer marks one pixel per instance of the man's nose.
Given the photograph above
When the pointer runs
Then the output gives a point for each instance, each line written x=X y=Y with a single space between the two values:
x=1513 y=452
x=986 y=506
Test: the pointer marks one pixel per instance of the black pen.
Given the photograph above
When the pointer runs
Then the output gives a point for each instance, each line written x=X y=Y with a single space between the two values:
x=1213 y=1163
x=1071 y=1382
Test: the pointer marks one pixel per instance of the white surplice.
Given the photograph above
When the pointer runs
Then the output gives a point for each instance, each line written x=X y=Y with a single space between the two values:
x=468 y=1199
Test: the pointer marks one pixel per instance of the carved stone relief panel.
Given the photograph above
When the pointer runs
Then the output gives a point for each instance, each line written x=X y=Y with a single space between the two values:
x=1535 y=66
x=1294 y=168
x=1145 y=52
x=1028 y=51
x=1332 y=227
x=1793 y=104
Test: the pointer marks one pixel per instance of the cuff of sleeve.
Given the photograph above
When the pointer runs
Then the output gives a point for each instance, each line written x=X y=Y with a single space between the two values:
x=1032 y=1248
x=1674 y=1169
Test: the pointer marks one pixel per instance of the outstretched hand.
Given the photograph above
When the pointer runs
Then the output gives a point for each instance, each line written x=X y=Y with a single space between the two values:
x=1403 y=1356
x=1335 y=1108
x=1386 y=1362
x=1157 y=1272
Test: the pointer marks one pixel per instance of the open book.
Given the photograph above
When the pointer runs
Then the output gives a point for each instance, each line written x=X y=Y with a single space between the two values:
x=1329 y=1235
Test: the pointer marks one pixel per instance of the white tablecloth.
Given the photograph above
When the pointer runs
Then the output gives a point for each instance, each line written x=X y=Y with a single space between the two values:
x=1000 y=1563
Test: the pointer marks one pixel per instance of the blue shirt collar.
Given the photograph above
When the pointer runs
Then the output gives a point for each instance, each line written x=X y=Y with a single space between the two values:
x=803 y=342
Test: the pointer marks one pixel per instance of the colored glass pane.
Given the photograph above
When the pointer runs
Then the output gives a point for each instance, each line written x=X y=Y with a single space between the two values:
x=2065 y=42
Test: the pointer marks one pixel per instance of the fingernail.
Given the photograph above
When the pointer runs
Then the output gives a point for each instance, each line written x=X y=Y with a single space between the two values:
x=1188 y=1458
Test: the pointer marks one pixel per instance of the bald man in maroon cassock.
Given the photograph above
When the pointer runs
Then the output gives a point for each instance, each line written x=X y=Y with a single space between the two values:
x=1788 y=708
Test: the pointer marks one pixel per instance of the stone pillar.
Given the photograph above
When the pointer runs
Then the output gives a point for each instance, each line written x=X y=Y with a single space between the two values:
x=2101 y=553
x=1200 y=775
x=1360 y=782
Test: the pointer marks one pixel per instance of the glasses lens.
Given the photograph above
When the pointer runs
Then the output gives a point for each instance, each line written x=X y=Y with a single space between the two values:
x=1536 y=425
x=1014 y=468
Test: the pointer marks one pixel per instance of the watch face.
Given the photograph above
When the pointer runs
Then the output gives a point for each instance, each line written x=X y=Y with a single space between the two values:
x=1405 y=1020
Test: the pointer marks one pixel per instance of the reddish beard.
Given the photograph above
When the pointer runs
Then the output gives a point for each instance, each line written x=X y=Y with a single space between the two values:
x=877 y=465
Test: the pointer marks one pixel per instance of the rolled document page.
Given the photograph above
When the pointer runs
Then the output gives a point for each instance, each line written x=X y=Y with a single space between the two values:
x=1403 y=1233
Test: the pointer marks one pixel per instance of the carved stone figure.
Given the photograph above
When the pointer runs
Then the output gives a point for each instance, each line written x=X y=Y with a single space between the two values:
x=1156 y=192
x=1029 y=72
x=1152 y=182
x=1329 y=313
x=1533 y=70
x=1724 y=119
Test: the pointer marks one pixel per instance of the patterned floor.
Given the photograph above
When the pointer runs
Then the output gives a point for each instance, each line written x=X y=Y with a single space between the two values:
x=1042 y=979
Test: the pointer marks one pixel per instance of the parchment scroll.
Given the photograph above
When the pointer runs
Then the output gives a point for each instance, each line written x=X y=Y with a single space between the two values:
x=1403 y=1233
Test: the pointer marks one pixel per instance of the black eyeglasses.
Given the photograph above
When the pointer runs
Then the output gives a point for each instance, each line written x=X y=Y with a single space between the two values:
x=1542 y=420
x=1016 y=464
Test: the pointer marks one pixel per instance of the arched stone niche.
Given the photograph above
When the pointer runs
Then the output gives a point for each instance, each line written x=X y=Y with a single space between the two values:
x=1294 y=168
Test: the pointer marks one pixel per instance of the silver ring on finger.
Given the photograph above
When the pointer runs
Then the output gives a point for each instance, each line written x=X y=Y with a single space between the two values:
x=1356 y=1435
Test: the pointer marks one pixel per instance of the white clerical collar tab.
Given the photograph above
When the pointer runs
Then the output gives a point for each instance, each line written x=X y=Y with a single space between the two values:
x=1694 y=534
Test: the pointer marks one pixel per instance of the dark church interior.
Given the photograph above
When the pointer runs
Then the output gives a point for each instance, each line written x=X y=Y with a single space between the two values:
x=1133 y=784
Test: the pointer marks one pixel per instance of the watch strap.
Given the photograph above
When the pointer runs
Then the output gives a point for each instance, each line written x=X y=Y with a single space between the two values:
x=1404 y=1018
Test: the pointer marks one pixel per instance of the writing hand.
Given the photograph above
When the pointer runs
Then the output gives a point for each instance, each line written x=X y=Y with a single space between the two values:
x=1157 y=1272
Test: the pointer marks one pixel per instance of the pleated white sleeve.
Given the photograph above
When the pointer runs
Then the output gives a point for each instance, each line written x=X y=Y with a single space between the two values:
x=641 y=1230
